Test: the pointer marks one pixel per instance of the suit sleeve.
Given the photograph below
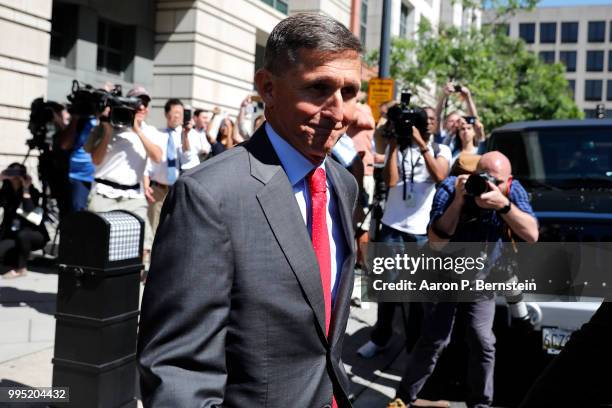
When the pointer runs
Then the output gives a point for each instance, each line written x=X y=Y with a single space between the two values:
x=186 y=302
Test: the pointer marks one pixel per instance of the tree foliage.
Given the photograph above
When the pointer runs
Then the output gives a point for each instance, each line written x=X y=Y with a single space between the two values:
x=508 y=82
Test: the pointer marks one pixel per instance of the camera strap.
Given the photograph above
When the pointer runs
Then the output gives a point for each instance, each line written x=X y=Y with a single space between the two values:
x=508 y=229
x=413 y=165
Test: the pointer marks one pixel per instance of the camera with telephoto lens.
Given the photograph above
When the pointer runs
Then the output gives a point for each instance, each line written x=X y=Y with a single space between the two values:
x=86 y=101
x=403 y=117
x=476 y=184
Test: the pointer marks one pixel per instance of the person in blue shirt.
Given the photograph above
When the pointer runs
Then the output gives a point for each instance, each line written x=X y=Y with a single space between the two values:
x=80 y=166
x=506 y=203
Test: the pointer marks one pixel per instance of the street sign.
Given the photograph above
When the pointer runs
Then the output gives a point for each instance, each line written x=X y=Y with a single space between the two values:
x=380 y=90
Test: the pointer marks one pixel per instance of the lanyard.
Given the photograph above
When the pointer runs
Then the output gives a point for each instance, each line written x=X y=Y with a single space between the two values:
x=413 y=165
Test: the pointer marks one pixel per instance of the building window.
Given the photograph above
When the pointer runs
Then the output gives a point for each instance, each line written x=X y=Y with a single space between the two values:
x=609 y=90
x=594 y=61
x=592 y=89
x=64 y=19
x=363 y=23
x=568 y=58
x=610 y=60
x=569 y=32
x=610 y=31
x=114 y=50
x=280 y=5
x=597 y=31
x=403 y=29
x=548 y=33
x=590 y=114
x=572 y=86
x=548 y=57
x=527 y=32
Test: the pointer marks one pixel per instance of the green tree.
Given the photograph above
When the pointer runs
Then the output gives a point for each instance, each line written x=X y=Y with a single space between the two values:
x=508 y=82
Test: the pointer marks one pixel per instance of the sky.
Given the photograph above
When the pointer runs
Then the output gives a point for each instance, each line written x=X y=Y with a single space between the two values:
x=557 y=3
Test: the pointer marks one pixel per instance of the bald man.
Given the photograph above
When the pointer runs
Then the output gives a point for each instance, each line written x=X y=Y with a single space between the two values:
x=504 y=204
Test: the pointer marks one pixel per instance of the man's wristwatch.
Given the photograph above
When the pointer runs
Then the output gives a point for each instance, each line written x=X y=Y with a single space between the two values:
x=505 y=209
x=424 y=150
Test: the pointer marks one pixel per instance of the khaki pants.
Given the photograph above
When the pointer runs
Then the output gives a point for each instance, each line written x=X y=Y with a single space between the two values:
x=154 y=209
x=138 y=206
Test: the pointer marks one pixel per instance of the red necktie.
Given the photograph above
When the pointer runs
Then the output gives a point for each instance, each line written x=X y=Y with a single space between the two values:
x=320 y=239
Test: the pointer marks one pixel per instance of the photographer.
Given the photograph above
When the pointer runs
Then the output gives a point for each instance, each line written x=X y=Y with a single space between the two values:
x=452 y=123
x=22 y=229
x=71 y=139
x=120 y=156
x=178 y=153
x=198 y=135
x=459 y=217
x=415 y=163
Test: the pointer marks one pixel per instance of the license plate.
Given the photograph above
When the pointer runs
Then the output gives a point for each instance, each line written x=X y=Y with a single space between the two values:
x=554 y=339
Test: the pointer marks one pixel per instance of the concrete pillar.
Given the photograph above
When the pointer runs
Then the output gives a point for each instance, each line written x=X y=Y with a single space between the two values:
x=356 y=17
x=205 y=52
x=24 y=56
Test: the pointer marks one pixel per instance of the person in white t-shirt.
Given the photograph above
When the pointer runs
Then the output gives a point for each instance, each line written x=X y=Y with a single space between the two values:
x=120 y=157
x=198 y=137
x=411 y=173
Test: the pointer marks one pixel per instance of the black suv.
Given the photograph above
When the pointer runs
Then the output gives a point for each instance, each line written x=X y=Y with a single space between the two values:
x=566 y=167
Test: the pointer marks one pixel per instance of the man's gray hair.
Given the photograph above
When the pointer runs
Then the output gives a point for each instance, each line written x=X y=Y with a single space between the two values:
x=312 y=31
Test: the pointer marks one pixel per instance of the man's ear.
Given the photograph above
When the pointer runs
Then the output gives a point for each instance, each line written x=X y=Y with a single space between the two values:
x=264 y=82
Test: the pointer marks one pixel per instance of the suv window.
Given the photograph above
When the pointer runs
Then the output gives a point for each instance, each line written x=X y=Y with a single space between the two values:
x=566 y=158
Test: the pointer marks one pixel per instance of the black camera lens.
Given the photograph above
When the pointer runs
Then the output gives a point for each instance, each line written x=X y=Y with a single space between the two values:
x=457 y=88
x=475 y=185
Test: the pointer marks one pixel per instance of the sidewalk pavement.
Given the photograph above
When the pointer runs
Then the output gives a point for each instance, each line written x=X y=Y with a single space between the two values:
x=27 y=306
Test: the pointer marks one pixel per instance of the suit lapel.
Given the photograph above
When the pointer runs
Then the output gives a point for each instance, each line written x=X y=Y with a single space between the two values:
x=285 y=219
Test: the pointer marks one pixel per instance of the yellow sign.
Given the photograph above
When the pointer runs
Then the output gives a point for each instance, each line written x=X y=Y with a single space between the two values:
x=380 y=90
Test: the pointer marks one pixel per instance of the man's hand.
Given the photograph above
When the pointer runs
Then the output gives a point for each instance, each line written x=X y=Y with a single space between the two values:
x=449 y=88
x=148 y=192
x=460 y=188
x=493 y=199
x=136 y=125
x=246 y=102
x=26 y=182
x=465 y=91
x=418 y=139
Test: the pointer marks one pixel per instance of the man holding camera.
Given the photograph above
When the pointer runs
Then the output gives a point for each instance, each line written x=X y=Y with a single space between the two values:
x=120 y=156
x=504 y=204
x=415 y=163
x=178 y=153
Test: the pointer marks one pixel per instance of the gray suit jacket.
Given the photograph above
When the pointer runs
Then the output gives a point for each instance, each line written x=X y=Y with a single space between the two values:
x=233 y=311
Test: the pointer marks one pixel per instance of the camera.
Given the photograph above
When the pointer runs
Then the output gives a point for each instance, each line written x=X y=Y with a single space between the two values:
x=476 y=184
x=457 y=88
x=41 y=123
x=87 y=101
x=470 y=120
x=186 y=116
x=403 y=117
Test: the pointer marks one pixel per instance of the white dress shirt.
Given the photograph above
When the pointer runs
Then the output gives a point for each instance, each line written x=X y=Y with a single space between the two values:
x=186 y=160
x=297 y=168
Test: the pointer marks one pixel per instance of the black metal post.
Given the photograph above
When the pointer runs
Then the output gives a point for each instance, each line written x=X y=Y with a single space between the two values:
x=385 y=41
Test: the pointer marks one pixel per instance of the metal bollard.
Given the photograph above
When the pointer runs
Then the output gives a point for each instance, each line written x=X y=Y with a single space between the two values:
x=100 y=258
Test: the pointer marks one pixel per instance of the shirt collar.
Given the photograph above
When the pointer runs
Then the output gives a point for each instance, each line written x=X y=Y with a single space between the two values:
x=294 y=163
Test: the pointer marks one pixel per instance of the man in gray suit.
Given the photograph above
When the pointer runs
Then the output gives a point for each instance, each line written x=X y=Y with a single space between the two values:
x=247 y=298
